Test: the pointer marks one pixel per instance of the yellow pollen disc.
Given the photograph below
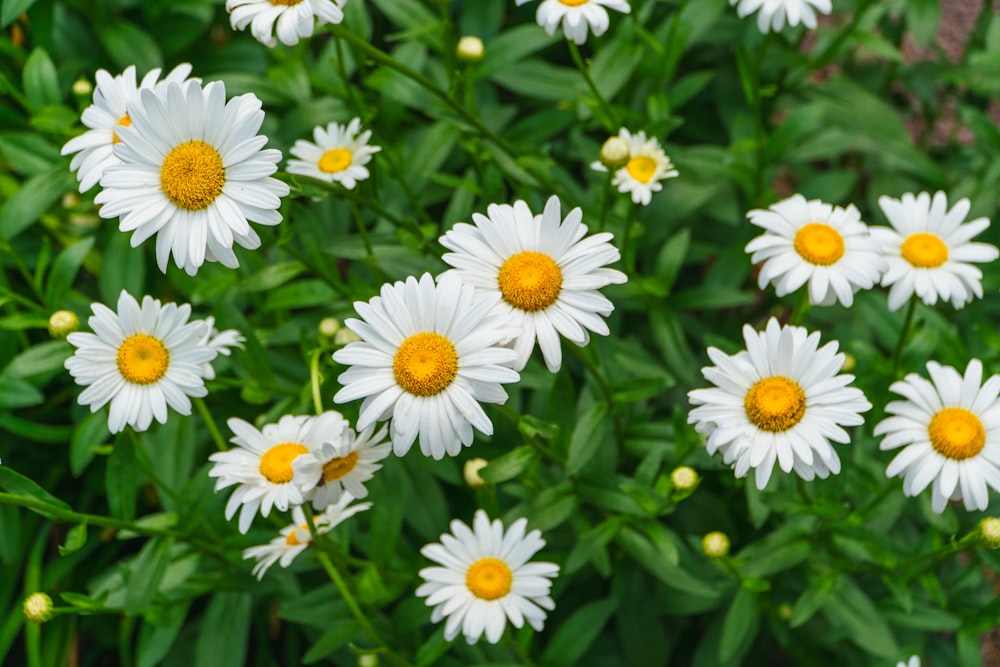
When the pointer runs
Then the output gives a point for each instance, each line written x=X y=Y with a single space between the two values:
x=957 y=433
x=775 y=404
x=192 y=175
x=530 y=280
x=124 y=121
x=641 y=168
x=574 y=3
x=143 y=359
x=924 y=250
x=334 y=160
x=819 y=244
x=425 y=364
x=339 y=467
x=489 y=578
x=293 y=537
x=276 y=463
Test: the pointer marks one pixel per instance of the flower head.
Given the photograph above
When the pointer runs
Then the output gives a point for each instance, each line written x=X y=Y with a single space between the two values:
x=289 y=20
x=643 y=168
x=771 y=14
x=340 y=153
x=577 y=15
x=470 y=49
x=37 y=608
x=62 y=323
x=342 y=465
x=715 y=544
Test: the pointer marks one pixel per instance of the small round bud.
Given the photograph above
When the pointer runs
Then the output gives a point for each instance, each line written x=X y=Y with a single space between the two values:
x=70 y=200
x=368 y=660
x=684 y=479
x=329 y=326
x=62 y=323
x=850 y=361
x=470 y=49
x=471 y=473
x=785 y=611
x=614 y=152
x=989 y=532
x=82 y=87
x=345 y=336
x=715 y=544
x=38 y=607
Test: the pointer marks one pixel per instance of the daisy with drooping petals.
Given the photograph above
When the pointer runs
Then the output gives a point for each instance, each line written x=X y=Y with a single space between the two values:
x=780 y=400
x=95 y=148
x=949 y=428
x=220 y=341
x=289 y=20
x=816 y=243
x=771 y=14
x=339 y=154
x=141 y=360
x=429 y=354
x=644 y=168
x=194 y=173
x=342 y=465
x=929 y=250
x=577 y=15
x=486 y=579
x=542 y=272
x=261 y=464
x=294 y=539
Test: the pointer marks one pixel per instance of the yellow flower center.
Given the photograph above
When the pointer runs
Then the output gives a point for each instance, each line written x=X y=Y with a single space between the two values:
x=818 y=243
x=339 y=467
x=924 y=250
x=574 y=3
x=957 y=433
x=425 y=364
x=124 y=121
x=530 y=280
x=334 y=160
x=276 y=463
x=640 y=168
x=293 y=537
x=775 y=404
x=489 y=578
x=287 y=3
x=143 y=359
x=192 y=175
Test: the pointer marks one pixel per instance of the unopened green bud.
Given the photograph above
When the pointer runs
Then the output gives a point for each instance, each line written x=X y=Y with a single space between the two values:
x=785 y=611
x=850 y=361
x=715 y=544
x=471 y=473
x=684 y=479
x=82 y=87
x=62 y=323
x=329 y=326
x=470 y=49
x=38 y=608
x=989 y=532
x=345 y=336
x=368 y=660
x=614 y=153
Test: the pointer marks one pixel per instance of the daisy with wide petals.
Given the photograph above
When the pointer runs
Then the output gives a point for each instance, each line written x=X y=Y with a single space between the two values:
x=949 y=428
x=261 y=464
x=540 y=270
x=930 y=250
x=194 y=173
x=141 y=359
x=289 y=20
x=429 y=354
x=577 y=16
x=780 y=399
x=294 y=539
x=485 y=579
x=339 y=154
x=812 y=242
x=645 y=166
x=342 y=465
x=95 y=148
x=771 y=14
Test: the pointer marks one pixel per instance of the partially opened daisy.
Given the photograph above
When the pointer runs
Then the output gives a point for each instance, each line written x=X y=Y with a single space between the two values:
x=194 y=173
x=949 y=428
x=930 y=250
x=294 y=539
x=644 y=168
x=577 y=15
x=540 y=270
x=339 y=154
x=141 y=359
x=289 y=20
x=342 y=464
x=95 y=148
x=221 y=342
x=429 y=354
x=780 y=400
x=812 y=242
x=261 y=463
x=771 y=14
x=485 y=579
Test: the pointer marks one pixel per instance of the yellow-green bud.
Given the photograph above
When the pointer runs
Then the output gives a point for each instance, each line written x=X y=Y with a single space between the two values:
x=345 y=336
x=38 y=608
x=989 y=532
x=82 y=87
x=471 y=473
x=614 y=152
x=62 y=323
x=715 y=544
x=850 y=361
x=684 y=479
x=785 y=611
x=329 y=326
x=470 y=49
x=368 y=660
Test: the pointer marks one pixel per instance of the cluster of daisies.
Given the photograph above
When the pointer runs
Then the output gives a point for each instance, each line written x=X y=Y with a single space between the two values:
x=783 y=399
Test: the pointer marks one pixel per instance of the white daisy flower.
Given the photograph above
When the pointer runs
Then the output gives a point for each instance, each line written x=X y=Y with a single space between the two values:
x=771 y=14
x=914 y=661
x=486 y=579
x=339 y=154
x=929 y=250
x=140 y=359
x=289 y=20
x=220 y=341
x=779 y=400
x=816 y=243
x=294 y=539
x=645 y=166
x=429 y=354
x=577 y=15
x=95 y=148
x=194 y=173
x=949 y=429
x=342 y=465
x=261 y=464
x=540 y=270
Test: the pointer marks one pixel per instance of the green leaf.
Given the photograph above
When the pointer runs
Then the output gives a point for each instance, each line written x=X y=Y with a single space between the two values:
x=432 y=649
x=18 y=393
x=145 y=573
x=571 y=641
x=41 y=360
x=340 y=633
x=777 y=560
x=590 y=433
x=272 y=276
x=41 y=84
x=852 y=610
x=124 y=268
x=740 y=625
x=510 y=465
x=34 y=197
x=33 y=430
x=671 y=257
x=120 y=480
x=155 y=640
x=590 y=543
x=12 y=9
x=75 y=539
x=64 y=271
x=923 y=18
x=811 y=600
x=17 y=484
x=647 y=554
x=90 y=432
x=225 y=630
x=129 y=45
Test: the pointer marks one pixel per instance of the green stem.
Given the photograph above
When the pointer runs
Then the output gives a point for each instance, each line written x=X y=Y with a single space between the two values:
x=213 y=428
x=142 y=458
x=518 y=650
x=342 y=71
x=316 y=380
x=574 y=51
x=607 y=194
x=907 y=323
x=606 y=391
x=801 y=308
x=760 y=132
x=363 y=232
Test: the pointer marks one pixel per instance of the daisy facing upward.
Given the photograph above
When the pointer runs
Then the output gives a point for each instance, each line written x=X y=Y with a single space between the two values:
x=640 y=172
x=339 y=154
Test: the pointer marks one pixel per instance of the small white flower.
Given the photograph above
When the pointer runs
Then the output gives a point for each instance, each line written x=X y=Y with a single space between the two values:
x=342 y=465
x=220 y=341
x=577 y=15
x=772 y=13
x=486 y=579
x=290 y=20
x=914 y=661
x=338 y=154
x=646 y=166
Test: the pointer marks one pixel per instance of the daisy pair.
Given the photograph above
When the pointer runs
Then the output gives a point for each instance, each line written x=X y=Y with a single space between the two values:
x=640 y=169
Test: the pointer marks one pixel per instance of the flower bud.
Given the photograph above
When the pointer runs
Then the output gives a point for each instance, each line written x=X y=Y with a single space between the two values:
x=850 y=361
x=684 y=479
x=614 y=152
x=82 y=87
x=329 y=326
x=38 y=608
x=785 y=611
x=62 y=323
x=989 y=532
x=368 y=660
x=715 y=544
x=471 y=473
x=345 y=336
x=470 y=49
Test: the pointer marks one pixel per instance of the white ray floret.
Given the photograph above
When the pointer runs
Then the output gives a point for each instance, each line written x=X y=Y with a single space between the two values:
x=577 y=16
x=772 y=14
x=338 y=153
x=287 y=20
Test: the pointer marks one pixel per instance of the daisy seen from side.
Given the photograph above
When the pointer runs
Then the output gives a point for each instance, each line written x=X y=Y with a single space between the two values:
x=338 y=153
x=577 y=16
x=221 y=342
x=772 y=14
x=288 y=20
x=644 y=168
x=342 y=465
